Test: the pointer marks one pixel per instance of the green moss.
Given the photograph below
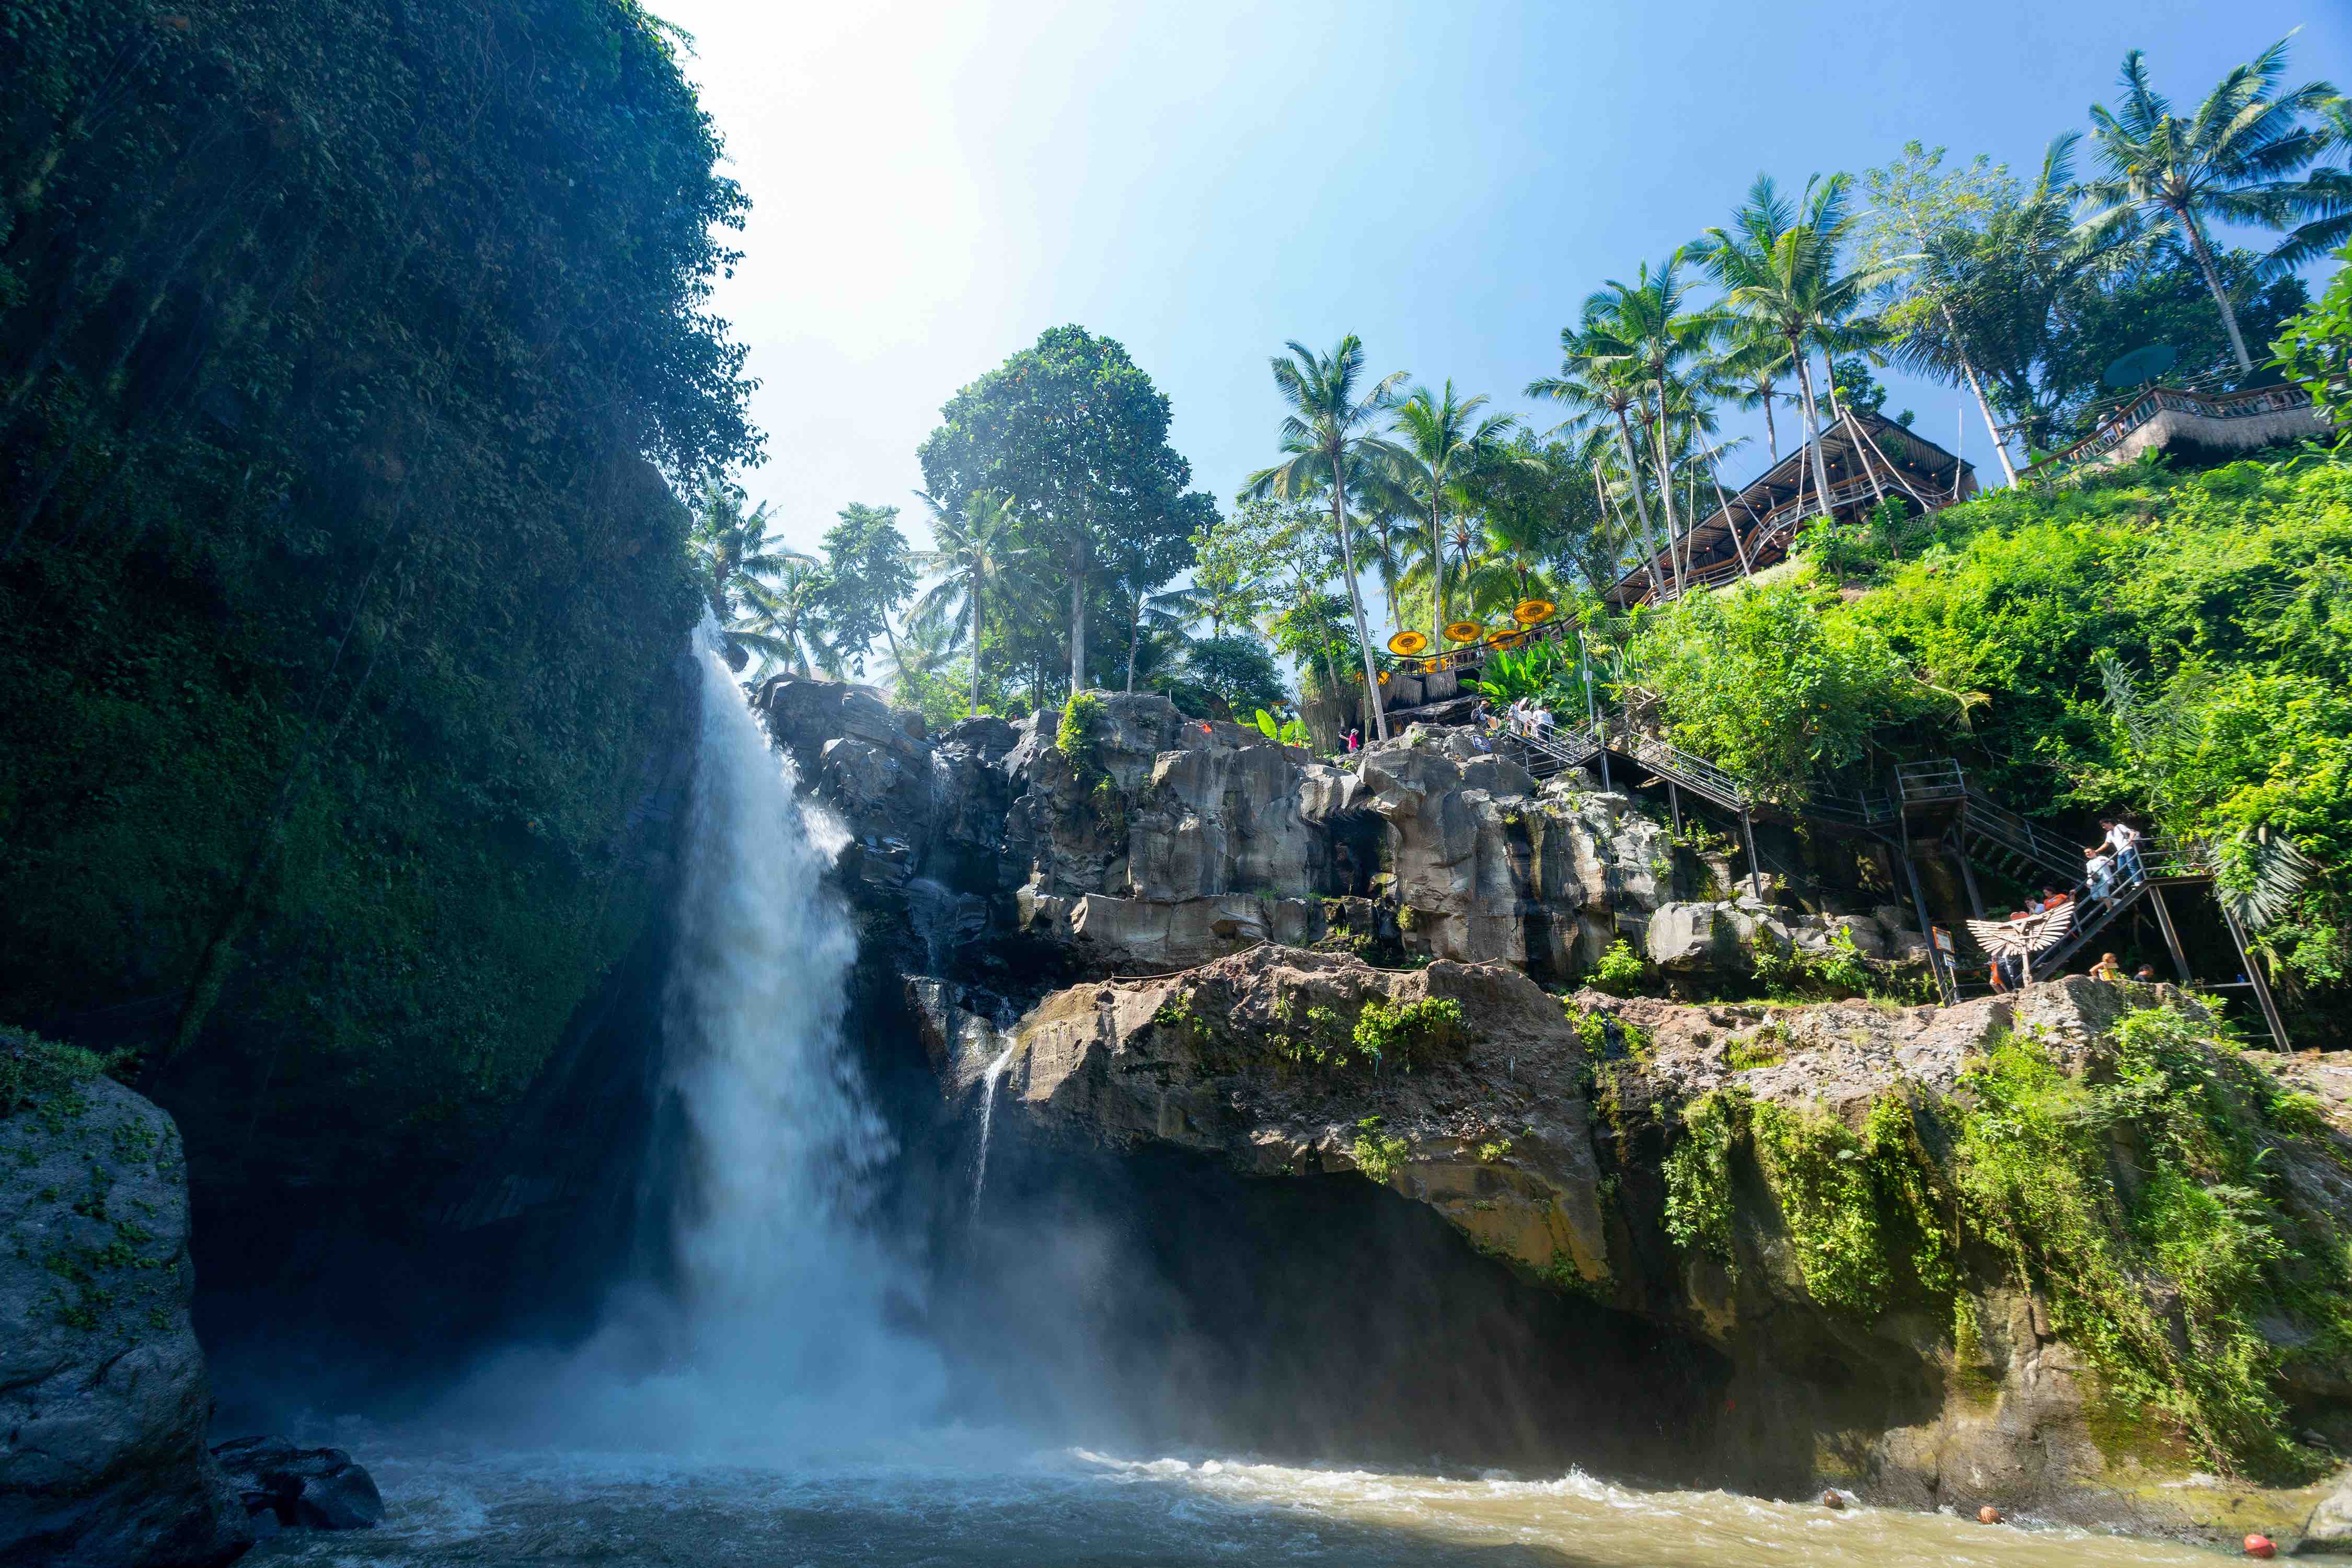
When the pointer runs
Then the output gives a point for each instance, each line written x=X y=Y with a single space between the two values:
x=1760 y=1047
x=1620 y=970
x=1699 y=1203
x=47 y=1077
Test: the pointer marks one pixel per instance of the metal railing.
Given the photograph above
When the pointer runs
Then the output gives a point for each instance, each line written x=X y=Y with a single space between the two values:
x=1930 y=782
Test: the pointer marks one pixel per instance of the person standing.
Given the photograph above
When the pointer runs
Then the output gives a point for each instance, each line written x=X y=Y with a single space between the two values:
x=2123 y=841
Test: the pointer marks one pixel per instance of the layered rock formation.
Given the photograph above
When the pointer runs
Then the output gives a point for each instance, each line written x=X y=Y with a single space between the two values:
x=103 y=1392
x=1171 y=841
x=1544 y=1129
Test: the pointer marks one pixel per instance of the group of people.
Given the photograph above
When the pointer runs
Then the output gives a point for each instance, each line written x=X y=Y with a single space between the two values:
x=1527 y=717
x=2109 y=867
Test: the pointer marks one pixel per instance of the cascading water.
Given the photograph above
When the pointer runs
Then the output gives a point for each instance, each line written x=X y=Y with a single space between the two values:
x=996 y=1071
x=782 y=1288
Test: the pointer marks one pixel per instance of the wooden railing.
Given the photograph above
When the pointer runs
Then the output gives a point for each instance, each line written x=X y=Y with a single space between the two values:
x=2136 y=413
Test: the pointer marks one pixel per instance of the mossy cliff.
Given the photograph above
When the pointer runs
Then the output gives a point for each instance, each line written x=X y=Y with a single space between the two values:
x=351 y=355
x=2062 y=1252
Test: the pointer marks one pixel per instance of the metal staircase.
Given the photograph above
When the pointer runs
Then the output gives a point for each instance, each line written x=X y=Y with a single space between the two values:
x=1553 y=752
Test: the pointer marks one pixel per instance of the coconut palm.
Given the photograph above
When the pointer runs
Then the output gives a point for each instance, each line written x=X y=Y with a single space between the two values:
x=732 y=552
x=1327 y=449
x=784 y=620
x=1598 y=382
x=1778 y=264
x=1749 y=366
x=2235 y=159
x=1443 y=440
x=973 y=547
x=1660 y=338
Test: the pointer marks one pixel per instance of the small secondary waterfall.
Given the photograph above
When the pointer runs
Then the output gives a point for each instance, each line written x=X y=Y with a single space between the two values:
x=987 y=1114
x=783 y=1288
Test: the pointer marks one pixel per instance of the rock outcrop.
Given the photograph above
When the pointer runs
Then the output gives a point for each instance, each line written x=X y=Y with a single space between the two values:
x=103 y=1392
x=284 y=1486
x=1544 y=1129
x=1172 y=841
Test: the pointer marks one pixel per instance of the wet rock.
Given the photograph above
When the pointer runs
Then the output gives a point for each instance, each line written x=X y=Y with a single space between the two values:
x=2329 y=1528
x=103 y=1392
x=311 y=1489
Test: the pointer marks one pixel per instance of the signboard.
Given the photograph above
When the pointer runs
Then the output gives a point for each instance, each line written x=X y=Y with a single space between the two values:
x=1942 y=940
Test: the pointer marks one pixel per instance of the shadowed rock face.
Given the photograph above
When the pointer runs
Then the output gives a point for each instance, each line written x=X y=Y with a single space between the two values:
x=103 y=1394
x=1538 y=1128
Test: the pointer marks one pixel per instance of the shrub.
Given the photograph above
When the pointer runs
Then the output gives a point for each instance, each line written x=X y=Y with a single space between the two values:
x=1411 y=1033
x=1620 y=970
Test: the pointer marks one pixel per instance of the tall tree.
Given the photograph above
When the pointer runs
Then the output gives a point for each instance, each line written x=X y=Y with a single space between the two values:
x=1231 y=579
x=972 y=547
x=873 y=572
x=2235 y=159
x=1075 y=436
x=1779 y=266
x=1326 y=449
x=1442 y=440
x=1602 y=388
x=733 y=557
x=1657 y=338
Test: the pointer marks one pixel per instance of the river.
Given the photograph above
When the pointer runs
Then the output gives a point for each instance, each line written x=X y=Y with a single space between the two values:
x=1061 y=1509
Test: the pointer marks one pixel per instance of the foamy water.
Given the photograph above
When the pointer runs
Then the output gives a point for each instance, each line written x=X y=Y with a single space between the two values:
x=1061 y=1509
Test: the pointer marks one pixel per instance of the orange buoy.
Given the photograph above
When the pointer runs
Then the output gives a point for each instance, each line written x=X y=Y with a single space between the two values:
x=1830 y=1500
x=1987 y=1515
x=2259 y=1545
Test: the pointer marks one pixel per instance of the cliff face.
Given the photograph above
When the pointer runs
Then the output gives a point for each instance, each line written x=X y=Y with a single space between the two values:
x=2064 y=1252
x=1732 y=1175
x=1169 y=842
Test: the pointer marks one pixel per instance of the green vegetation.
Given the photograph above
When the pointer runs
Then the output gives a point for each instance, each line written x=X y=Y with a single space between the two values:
x=342 y=579
x=1378 y=1155
x=43 y=1075
x=2206 y=1220
x=1410 y=1034
x=1620 y=970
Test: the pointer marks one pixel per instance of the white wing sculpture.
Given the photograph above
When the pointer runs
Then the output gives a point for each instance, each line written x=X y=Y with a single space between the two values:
x=2023 y=938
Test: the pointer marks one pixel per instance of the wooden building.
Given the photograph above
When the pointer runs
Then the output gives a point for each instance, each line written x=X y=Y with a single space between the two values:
x=1869 y=458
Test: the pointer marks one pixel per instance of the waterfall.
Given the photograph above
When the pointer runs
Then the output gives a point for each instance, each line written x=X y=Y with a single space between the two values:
x=987 y=1114
x=784 y=1291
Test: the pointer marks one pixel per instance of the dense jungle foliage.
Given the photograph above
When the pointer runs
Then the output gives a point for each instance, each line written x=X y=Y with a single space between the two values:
x=352 y=355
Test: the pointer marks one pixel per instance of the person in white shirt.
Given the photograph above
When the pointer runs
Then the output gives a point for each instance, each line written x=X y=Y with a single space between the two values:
x=2125 y=841
x=2097 y=867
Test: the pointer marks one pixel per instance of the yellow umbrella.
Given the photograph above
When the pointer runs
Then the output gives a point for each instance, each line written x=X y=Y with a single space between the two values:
x=1534 y=612
x=1406 y=644
x=1465 y=631
x=1431 y=665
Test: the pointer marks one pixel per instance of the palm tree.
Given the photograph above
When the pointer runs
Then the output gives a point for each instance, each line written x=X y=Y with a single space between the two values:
x=1658 y=337
x=1327 y=449
x=1749 y=367
x=973 y=545
x=1778 y=265
x=732 y=554
x=784 y=620
x=1596 y=382
x=1443 y=441
x=2234 y=160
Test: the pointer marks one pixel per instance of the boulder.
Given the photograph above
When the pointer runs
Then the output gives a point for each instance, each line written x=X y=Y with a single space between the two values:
x=2329 y=1528
x=311 y=1489
x=103 y=1392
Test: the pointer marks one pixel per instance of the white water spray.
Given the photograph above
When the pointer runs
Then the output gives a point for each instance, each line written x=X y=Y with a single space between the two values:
x=784 y=1289
x=987 y=1114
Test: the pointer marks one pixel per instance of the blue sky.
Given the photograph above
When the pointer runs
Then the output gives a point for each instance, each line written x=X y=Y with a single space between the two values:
x=935 y=184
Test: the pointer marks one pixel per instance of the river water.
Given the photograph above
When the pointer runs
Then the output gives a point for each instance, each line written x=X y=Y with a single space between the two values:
x=1069 y=1509
x=796 y=1419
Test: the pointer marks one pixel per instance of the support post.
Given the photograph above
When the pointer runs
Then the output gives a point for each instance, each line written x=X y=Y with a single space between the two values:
x=1674 y=802
x=1968 y=881
x=2171 y=936
x=2254 y=978
x=1946 y=985
x=1754 y=865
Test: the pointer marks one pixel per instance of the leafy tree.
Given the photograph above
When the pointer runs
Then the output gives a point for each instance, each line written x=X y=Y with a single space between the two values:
x=1544 y=508
x=1074 y=436
x=1646 y=328
x=2235 y=159
x=1442 y=441
x=2314 y=349
x=973 y=547
x=1235 y=671
x=1231 y=580
x=1327 y=450
x=872 y=573
x=1143 y=560
x=1601 y=388
x=790 y=622
x=2163 y=300
x=1772 y=683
